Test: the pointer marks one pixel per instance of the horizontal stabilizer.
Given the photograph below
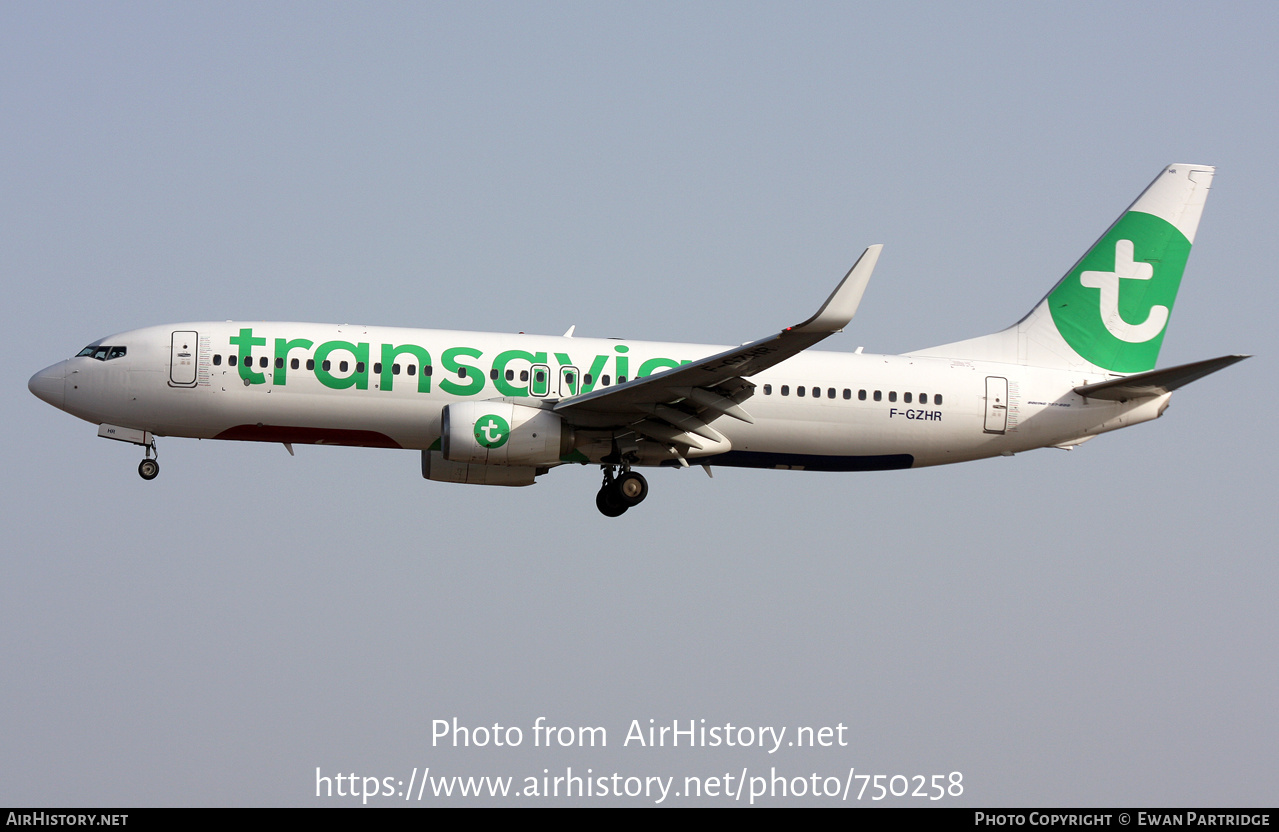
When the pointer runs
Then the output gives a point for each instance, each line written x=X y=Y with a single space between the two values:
x=1156 y=382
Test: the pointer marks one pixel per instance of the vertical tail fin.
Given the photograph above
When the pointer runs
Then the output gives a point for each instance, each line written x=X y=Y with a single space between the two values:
x=1110 y=311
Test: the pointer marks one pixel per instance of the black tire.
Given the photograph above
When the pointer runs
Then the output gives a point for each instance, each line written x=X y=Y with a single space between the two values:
x=607 y=502
x=148 y=469
x=631 y=488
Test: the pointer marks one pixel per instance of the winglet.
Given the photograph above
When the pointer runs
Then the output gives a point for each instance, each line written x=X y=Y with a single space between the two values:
x=843 y=302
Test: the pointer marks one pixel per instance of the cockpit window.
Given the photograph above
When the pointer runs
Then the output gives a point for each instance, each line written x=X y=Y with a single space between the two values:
x=102 y=352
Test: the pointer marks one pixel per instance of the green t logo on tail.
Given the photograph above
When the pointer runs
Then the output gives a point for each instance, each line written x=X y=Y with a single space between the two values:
x=1113 y=307
x=492 y=431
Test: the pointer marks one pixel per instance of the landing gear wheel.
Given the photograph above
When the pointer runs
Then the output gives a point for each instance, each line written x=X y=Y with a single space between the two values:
x=631 y=488
x=148 y=469
x=608 y=502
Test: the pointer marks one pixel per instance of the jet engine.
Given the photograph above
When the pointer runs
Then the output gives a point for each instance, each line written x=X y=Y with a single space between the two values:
x=436 y=467
x=501 y=433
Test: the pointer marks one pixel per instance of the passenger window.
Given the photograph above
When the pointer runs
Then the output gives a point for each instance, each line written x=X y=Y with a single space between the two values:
x=493 y=374
x=906 y=398
x=586 y=379
x=279 y=363
x=377 y=368
x=217 y=361
x=461 y=372
x=412 y=368
x=359 y=366
x=799 y=391
x=294 y=364
x=848 y=394
x=604 y=380
x=326 y=365
x=830 y=393
x=621 y=379
x=395 y=369
x=937 y=398
x=310 y=363
x=785 y=389
x=426 y=370
x=861 y=395
x=510 y=375
x=230 y=359
x=262 y=362
x=892 y=396
x=768 y=389
x=923 y=398
x=523 y=375
x=342 y=365
x=879 y=397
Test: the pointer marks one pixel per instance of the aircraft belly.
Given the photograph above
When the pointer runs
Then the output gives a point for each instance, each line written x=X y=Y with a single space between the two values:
x=302 y=417
x=832 y=439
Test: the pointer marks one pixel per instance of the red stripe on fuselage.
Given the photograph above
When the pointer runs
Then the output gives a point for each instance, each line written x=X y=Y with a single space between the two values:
x=308 y=436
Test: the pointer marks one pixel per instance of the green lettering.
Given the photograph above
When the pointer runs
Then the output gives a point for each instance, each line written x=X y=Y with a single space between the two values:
x=574 y=386
x=593 y=377
x=647 y=368
x=282 y=347
x=246 y=342
x=474 y=375
x=623 y=363
x=358 y=379
x=596 y=368
x=423 y=357
x=507 y=388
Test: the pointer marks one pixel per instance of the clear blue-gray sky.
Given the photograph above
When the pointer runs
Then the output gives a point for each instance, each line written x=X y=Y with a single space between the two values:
x=1086 y=628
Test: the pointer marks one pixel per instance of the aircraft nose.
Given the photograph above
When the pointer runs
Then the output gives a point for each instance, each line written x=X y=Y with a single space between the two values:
x=49 y=384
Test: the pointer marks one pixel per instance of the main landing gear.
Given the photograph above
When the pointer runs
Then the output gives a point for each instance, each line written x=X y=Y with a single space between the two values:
x=622 y=489
x=149 y=468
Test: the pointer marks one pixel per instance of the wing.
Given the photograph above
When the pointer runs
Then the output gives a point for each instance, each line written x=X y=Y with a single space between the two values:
x=676 y=406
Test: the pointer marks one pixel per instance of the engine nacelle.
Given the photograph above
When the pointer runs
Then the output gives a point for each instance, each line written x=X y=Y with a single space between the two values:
x=436 y=467
x=501 y=433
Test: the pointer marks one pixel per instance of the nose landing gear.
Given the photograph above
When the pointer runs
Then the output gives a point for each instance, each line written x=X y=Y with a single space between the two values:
x=620 y=491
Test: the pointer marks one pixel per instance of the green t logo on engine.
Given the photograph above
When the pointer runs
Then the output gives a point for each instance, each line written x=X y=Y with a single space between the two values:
x=492 y=431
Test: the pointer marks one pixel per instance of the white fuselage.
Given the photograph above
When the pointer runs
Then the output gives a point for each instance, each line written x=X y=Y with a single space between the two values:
x=371 y=386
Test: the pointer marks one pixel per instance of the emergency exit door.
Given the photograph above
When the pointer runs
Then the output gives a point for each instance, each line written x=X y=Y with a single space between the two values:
x=183 y=350
x=996 y=404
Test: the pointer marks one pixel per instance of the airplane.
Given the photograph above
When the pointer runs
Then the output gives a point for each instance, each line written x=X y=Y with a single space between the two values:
x=503 y=409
